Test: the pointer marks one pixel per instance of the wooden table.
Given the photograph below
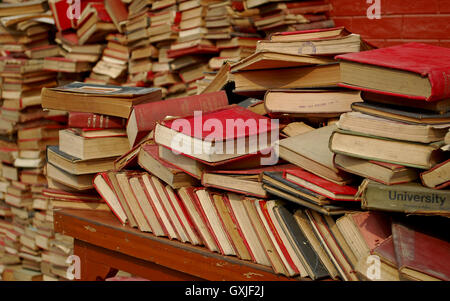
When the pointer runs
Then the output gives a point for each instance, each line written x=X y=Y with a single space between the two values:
x=105 y=246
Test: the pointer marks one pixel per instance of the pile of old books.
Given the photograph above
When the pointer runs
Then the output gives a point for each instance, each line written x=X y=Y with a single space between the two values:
x=27 y=238
x=175 y=45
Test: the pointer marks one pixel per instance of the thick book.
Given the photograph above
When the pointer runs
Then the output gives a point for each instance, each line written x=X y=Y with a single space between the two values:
x=94 y=121
x=265 y=60
x=437 y=177
x=323 y=46
x=310 y=151
x=383 y=127
x=364 y=231
x=103 y=186
x=76 y=165
x=311 y=34
x=416 y=155
x=420 y=256
x=143 y=117
x=412 y=70
x=385 y=173
x=249 y=134
x=91 y=148
x=320 y=185
x=101 y=99
x=149 y=160
x=309 y=103
x=410 y=198
x=308 y=256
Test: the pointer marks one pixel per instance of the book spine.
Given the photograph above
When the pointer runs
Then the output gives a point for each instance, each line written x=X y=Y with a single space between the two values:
x=405 y=199
x=97 y=121
x=148 y=114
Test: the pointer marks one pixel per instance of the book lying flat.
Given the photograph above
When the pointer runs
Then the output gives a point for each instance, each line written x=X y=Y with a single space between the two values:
x=417 y=155
x=404 y=114
x=385 y=173
x=411 y=198
x=412 y=70
x=383 y=127
x=100 y=99
x=320 y=185
x=249 y=134
x=248 y=181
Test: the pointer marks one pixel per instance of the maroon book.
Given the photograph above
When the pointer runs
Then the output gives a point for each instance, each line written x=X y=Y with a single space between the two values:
x=425 y=60
x=143 y=118
x=95 y=121
x=421 y=255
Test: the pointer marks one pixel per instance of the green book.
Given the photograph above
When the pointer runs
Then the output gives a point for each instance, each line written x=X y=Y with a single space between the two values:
x=411 y=198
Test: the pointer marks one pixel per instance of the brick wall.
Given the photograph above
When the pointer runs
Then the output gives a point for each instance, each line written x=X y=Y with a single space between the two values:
x=401 y=21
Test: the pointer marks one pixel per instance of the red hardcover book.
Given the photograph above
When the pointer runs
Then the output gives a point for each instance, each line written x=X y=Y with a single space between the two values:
x=178 y=212
x=164 y=200
x=263 y=206
x=199 y=49
x=421 y=256
x=386 y=251
x=59 y=10
x=320 y=185
x=374 y=227
x=154 y=207
x=118 y=12
x=193 y=233
x=97 y=121
x=424 y=60
x=210 y=241
x=143 y=118
x=116 y=207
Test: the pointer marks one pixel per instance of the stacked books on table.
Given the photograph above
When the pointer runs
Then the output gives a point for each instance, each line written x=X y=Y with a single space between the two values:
x=396 y=137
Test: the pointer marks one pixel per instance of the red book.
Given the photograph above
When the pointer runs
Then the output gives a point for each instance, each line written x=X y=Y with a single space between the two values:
x=143 y=118
x=374 y=227
x=118 y=12
x=105 y=188
x=423 y=60
x=320 y=185
x=199 y=49
x=421 y=256
x=188 y=224
x=59 y=10
x=386 y=252
x=97 y=121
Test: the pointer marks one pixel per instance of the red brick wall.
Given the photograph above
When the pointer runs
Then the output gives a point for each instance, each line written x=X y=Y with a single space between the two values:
x=401 y=21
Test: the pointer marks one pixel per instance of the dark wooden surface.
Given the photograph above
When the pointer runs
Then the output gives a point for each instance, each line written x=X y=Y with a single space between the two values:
x=104 y=245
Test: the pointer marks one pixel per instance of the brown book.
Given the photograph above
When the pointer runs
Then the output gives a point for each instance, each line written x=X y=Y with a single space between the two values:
x=81 y=182
x=91 y=148
x=84 y=97
x=309 y=103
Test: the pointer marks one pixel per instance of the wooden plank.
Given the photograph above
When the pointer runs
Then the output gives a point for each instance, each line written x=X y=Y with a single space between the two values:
x=104 y=230
x=97 y=263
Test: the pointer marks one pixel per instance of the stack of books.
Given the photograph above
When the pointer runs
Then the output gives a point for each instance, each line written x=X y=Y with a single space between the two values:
x=25 y=132
x=396 y=137
x=92 y=141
